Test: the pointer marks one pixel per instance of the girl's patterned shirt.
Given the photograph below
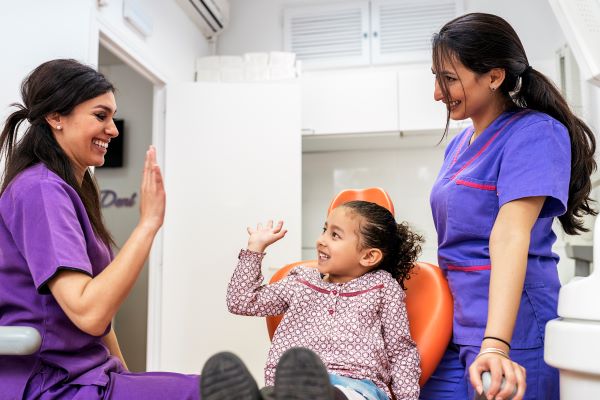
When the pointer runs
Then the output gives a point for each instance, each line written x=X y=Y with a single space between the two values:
x=359 y=329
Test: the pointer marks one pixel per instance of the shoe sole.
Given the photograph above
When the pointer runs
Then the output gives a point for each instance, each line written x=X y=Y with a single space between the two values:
x=301 y=375
x=225 y=377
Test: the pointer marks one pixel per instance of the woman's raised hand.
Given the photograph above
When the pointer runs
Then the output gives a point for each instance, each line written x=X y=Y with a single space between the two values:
x=261 y=237
x=152 y=193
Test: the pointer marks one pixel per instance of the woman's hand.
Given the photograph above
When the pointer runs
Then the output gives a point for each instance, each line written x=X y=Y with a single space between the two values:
x=152 y=193
x=499 y=366
x=261 y=237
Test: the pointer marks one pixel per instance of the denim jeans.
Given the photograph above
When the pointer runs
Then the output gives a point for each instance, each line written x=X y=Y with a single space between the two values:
x=364 y=387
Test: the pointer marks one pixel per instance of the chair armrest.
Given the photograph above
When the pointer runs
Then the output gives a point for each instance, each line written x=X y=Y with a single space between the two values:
x=19 y=340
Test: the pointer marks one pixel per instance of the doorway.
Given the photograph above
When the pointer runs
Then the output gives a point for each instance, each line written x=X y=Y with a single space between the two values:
x=119 y=182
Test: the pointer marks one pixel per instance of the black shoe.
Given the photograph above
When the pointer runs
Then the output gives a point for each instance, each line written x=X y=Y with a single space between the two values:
x=225 y=377
x=301 y=375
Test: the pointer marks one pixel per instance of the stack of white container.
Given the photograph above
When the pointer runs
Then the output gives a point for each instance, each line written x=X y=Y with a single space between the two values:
x=251 y=67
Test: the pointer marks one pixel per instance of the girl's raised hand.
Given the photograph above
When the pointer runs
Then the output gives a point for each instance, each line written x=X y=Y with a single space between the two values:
x=261 y=237
x=152 y=193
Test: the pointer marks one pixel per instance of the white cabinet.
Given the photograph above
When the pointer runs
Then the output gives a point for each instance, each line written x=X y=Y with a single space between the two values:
x=328 y=35
x=350 y=101
x=401 y=30
x=222 y=176
x=373 y=100
x=376 y=32
x=416 y=107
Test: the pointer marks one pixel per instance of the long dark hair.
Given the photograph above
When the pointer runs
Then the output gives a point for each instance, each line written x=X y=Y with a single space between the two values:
x=484 y=41
x=399 y=245
x=54 y=86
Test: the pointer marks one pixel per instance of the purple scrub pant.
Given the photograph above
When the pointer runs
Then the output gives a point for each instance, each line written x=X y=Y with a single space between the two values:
x=126 y=386
x=451 y=378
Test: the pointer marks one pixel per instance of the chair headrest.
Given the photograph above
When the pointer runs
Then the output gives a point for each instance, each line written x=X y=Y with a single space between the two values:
x=373 y=194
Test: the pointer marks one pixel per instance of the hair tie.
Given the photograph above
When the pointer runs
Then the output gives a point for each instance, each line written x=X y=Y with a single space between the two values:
x=21 y=113
x=527 y=70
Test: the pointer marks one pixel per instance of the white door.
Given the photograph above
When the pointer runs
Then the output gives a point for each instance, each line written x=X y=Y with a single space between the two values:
x=232 y=159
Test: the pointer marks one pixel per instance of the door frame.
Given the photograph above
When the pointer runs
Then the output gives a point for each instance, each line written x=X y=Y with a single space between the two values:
x=119 y=46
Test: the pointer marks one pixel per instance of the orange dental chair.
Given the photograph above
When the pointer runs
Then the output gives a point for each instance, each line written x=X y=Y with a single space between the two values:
x=428 y=298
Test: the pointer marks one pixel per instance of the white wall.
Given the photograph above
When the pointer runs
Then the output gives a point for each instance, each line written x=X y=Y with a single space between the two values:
x=406 y=174
x=36 y=31
x=134 y=102
x=173 y=46
x=70 y=29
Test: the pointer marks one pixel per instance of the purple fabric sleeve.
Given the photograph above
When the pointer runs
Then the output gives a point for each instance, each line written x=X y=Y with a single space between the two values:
x=46 y=229
x=537 y=162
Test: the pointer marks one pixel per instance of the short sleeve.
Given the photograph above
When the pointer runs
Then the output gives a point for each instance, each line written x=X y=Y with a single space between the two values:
x=46 y=229
x=537 y=162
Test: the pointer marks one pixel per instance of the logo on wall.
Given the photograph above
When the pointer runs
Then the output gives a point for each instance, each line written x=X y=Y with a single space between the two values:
x=109 y=198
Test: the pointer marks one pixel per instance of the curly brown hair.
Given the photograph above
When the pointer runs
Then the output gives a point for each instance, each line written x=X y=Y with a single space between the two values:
x=399 y=245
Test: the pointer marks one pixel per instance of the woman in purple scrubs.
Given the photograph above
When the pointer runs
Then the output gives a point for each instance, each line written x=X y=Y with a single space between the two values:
x=57 y=272
x=526 y=160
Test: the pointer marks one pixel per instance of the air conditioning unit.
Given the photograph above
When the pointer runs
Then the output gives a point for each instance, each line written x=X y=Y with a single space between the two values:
x=211 y=16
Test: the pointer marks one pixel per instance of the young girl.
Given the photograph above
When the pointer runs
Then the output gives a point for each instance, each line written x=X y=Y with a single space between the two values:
x=350 y=310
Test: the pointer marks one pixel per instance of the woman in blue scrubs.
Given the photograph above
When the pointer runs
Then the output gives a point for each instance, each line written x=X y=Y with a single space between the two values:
x=526 y=160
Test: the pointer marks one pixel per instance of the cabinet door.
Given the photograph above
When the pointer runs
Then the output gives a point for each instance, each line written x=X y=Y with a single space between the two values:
x=349 y=101
x=402 y=30
x=233 y=158
x=418 y=110
x=328 y=35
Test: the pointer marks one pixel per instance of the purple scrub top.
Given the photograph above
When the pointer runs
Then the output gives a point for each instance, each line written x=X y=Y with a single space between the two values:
x=44 y=228
x=523 y=153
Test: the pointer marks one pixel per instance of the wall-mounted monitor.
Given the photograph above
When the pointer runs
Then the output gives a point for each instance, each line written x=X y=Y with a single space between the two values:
x=114 y=155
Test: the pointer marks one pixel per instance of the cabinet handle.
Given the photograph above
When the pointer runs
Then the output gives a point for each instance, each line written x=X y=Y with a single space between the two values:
x=365 y=35
x=374 y=34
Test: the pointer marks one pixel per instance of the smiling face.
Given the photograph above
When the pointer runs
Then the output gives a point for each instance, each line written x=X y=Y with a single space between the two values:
x=338 y=247
x=85 y=133
x=469 y=93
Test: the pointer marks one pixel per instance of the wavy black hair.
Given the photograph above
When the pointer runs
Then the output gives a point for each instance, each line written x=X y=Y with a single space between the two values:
x=378 y=229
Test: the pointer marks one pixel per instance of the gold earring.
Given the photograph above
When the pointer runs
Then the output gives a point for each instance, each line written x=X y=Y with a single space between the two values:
x=493 y=89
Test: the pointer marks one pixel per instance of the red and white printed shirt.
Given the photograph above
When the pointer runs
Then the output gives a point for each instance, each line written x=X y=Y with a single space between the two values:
x=358 y=328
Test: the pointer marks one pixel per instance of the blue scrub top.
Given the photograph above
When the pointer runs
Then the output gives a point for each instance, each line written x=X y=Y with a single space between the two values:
x=523 y=153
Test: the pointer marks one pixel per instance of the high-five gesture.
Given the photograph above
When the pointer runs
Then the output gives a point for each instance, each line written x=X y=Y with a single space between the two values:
x=152 y=198
x=261 y=237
